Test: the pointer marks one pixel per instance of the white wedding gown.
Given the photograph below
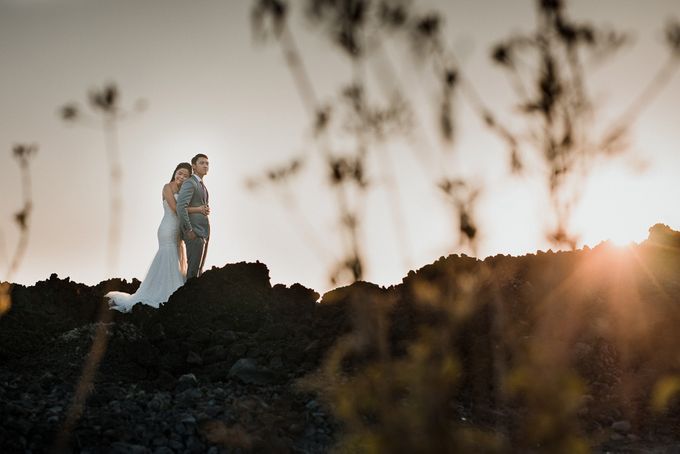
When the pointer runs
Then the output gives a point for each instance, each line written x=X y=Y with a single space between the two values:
x=167 y=271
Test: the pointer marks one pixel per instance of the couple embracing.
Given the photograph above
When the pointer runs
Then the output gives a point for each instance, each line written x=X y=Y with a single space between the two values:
x=183 y=236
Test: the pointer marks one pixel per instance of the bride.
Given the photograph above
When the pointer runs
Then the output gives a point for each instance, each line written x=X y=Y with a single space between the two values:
x=168 y=270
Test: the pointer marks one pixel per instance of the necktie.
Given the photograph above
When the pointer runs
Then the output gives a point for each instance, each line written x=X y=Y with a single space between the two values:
x=205 y=193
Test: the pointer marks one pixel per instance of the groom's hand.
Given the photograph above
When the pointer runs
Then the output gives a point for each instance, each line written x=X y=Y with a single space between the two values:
x=191 y=235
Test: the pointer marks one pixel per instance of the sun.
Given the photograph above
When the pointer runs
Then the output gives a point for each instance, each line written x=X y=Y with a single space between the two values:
x=619 y=231
x=623 y=238
x=614 y=208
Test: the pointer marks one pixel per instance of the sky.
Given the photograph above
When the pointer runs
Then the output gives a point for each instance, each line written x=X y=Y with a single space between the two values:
x=210 y=88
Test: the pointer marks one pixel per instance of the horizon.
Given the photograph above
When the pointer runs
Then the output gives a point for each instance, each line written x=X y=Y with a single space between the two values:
x=611 y=244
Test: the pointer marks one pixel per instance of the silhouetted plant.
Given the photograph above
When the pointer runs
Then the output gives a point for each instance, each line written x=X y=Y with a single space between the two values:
x=105 y=103
x=353 y=129
x=463 y=197
x=548 y=71
x=23 y=153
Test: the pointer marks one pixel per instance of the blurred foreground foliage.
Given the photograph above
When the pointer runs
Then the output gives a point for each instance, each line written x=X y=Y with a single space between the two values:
x=554 y=352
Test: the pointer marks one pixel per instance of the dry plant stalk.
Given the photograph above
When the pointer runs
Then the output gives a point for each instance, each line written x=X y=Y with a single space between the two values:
x=23 y=153
x=352 y=130
x=105 y=102
x=548 y=69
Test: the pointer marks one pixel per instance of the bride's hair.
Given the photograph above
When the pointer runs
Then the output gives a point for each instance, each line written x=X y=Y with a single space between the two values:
x=181 y=165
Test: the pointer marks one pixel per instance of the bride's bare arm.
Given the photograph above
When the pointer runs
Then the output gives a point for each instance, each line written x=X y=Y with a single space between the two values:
x=169 y=197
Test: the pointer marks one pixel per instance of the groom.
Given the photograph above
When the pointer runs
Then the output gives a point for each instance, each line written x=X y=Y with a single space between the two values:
x=195 y=226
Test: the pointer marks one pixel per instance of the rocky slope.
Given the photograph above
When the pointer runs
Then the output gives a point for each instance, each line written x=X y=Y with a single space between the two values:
x=218 y=367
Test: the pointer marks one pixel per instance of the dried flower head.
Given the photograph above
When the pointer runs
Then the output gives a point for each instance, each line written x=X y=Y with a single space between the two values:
x=673 y=36
x=268 y=18
x=105 y=99
x=24 y=152
x=69 y=112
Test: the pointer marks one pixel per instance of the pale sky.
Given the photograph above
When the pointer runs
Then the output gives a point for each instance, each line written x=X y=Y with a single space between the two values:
x=211 y=89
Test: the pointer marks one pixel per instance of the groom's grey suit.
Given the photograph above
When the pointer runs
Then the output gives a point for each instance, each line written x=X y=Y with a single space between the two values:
x=193 y=194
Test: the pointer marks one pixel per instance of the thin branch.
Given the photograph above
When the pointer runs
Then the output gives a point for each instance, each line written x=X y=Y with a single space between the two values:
x=651 y=91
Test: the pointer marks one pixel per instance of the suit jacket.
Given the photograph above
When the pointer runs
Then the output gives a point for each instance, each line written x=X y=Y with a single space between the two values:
x=191 y=194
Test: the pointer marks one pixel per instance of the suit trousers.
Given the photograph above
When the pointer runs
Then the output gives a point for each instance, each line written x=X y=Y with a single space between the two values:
x=196 y=252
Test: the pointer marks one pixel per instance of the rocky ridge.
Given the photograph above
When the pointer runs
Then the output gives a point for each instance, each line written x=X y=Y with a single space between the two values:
x=217 y=368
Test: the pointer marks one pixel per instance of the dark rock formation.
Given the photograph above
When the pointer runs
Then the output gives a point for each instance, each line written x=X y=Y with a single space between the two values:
x=217 y=365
